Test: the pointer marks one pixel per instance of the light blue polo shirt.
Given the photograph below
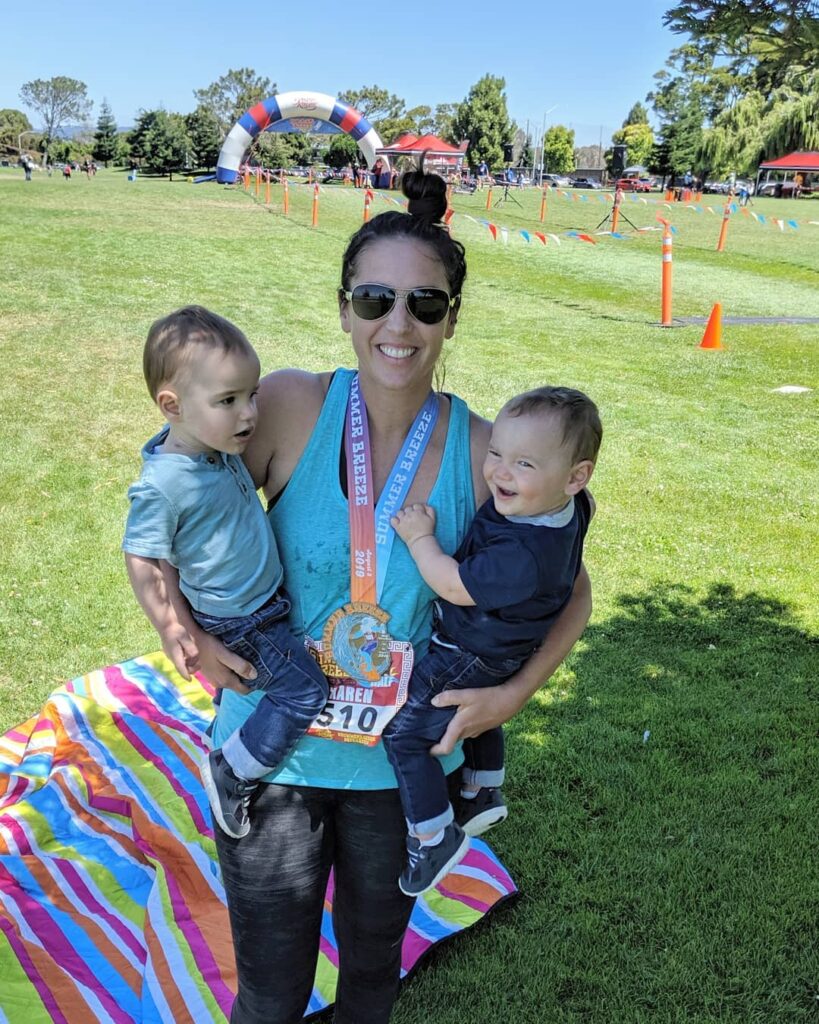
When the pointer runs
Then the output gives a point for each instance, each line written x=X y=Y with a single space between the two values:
x=202 y=514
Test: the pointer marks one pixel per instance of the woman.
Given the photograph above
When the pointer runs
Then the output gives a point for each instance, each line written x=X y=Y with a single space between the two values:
x=333 y=804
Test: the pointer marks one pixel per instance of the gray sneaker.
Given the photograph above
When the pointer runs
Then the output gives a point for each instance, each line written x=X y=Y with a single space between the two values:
x=427 y=865
x=486 y=809
x=229 y=795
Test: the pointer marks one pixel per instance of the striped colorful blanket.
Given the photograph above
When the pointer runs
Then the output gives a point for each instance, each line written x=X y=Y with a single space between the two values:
x=111 y=903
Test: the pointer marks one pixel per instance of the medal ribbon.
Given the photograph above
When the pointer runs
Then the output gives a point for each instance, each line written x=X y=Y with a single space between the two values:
x=371 y=536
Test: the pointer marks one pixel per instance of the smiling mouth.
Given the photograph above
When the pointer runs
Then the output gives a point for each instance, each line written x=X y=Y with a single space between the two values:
x=243 y=434
x=396 y=352
x=503 y=493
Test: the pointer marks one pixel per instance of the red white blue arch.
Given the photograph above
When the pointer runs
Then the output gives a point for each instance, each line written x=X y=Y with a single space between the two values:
x=308 y=112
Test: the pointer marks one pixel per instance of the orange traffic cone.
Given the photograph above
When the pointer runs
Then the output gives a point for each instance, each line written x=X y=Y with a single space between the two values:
x=713 y=330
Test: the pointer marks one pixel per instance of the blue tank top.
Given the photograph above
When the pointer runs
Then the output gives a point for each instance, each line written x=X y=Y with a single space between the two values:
x=311 y=525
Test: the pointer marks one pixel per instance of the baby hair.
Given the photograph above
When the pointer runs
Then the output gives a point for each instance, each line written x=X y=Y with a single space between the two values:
x=173 y=339
x=576 y=413
x=426 y=195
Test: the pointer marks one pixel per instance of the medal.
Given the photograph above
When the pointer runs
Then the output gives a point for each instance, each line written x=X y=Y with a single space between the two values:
x=368 y=670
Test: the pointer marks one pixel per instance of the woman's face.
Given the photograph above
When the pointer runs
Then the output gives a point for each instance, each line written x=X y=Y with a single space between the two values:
x=397 y=352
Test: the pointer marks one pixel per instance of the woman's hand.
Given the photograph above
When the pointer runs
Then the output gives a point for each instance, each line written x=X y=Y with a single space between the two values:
x=478 y=710
x=222 y=667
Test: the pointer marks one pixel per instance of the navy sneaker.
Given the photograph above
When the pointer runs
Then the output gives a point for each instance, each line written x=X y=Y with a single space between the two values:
x=486 y=809
x=427 y=865
x=229 y=795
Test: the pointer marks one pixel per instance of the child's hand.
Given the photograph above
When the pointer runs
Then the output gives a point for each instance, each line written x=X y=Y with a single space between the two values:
x=179 y=646
x=414 y=522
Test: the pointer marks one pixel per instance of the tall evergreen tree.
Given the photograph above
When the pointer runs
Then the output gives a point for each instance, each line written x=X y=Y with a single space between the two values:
x=206 y=137
x=160 y=141
x=483 y=118
x=105 y=137
x=637 y=115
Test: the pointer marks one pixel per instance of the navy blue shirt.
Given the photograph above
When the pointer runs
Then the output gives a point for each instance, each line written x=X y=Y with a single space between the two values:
x=520 y=577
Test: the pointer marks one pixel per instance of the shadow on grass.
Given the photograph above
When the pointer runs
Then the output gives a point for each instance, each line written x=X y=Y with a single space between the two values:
x=662 y=807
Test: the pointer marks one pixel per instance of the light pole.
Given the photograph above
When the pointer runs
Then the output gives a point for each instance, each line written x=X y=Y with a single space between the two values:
x=543 y=143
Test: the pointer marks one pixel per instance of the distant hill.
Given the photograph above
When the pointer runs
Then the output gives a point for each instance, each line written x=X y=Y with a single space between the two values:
x=71 y=131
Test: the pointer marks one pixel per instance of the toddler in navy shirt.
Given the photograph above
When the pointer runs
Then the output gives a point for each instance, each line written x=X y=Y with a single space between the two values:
x=499 y=595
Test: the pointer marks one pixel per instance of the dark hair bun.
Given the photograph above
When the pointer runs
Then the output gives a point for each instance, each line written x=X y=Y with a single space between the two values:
x=426 y=194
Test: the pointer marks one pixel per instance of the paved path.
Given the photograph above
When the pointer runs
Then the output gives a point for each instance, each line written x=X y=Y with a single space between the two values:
x=739 y=320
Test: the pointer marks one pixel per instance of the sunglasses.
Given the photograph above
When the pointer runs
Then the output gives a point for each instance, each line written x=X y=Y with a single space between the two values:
x=374 y=301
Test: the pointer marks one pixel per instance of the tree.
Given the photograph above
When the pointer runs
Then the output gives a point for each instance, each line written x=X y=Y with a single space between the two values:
x=638 y=138
x=637 y=115
x=58 y=101
x=558 y=149
x=443 y=122
x=105 y=137
x=386 y=112
x=682 y=140
x=526 y=157
x=206 y=137
x=766 y=38
x=343 y=150
x=234 y=93
x=12 y=124
x=161 y=141
x=757 y=128
x=483 y=119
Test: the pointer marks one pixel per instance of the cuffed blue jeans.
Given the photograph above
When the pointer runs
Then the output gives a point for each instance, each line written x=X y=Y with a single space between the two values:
x=419 y=725
x=275 y=881
x=295 y=689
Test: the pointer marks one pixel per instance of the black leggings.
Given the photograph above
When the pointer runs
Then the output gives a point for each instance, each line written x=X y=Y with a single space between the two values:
x=275 y=879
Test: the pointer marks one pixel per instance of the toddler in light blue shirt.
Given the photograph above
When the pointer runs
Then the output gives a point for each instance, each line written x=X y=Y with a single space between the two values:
x=195 y=506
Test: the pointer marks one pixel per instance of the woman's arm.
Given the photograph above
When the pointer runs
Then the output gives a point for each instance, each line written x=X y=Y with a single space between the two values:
x=479 y=710
x=289 y=403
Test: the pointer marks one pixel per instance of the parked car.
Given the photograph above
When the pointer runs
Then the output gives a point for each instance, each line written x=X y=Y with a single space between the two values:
x=784 y=189
x=556 y=180
x=585 y=183
x=633 y=184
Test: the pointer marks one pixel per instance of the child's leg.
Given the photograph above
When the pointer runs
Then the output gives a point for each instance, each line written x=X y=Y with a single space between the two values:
x=295 y=691
x=482 y=804
x=483 y=760
x=408 y=738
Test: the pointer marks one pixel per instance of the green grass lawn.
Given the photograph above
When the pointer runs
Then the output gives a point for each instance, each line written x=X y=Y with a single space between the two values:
x=663 y=786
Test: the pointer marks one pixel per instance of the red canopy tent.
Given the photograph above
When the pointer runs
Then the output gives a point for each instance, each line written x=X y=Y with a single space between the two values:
x=791 y=165
x=435 y=151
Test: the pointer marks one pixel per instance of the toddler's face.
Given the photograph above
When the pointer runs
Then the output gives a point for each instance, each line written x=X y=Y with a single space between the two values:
x=527 y=467
x=217 y=402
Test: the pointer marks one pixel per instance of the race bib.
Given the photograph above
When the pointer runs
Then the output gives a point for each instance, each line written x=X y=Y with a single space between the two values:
x=368 y=672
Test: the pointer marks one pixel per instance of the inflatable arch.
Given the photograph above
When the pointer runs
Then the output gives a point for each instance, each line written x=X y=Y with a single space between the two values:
x=313 y=112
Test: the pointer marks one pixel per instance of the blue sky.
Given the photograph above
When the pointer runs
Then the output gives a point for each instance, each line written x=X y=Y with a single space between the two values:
x=585 y=63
